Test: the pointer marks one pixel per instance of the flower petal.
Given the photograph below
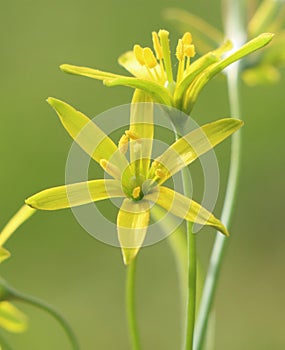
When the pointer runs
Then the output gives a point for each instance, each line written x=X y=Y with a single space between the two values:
x=159 y=93
x=197 y=142
x=88 y=135
x=130 y=63
x=67 y=196
x=184 y=208
x=214 y=69
x=11 y=318
x=87 y=72
x=141 y=124
x=17 y=220
x=132 y=224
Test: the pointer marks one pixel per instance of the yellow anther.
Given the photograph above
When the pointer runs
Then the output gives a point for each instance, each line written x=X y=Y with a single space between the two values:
x=157 y=46
x=180 y=50
x=136 y=192
x=110 y=168
x=189 y=51
x=187 y=38
x=159 y=173
x=123 y=144
x=132 y=135
x=149 y=58
x=155 y=163
x=138 y=51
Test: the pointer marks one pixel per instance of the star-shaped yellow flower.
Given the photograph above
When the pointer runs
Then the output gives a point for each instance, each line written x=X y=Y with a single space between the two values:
x=139 y=181
x=153 y=71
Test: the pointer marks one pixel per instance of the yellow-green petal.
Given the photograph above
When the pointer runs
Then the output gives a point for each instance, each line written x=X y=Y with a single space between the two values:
x=141 y=124
x=130 y=63
x=87 y=72
x=251 y=46
x=17 y=220
x=67 y=196
x=159 y=93
x=88 y=135
x=185 y=208
x=11 y=318
x=197 y=142
x=132 y=224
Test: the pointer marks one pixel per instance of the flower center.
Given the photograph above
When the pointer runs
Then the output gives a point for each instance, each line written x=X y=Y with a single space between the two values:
x=158 y=63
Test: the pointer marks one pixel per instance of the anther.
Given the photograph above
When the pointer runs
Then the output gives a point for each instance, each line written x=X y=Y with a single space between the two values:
x=138 y=51
x=132 y=135
x=136 y=192
x=187 y=38
x=110 y=168
x=150 y=60
x=123 y=144
x=189 y=51
x=180 y=50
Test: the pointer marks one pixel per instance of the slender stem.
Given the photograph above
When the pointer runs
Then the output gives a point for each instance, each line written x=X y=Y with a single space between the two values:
x=130 y=301
x=54 y=313
x=192 y=272
x=220 y=244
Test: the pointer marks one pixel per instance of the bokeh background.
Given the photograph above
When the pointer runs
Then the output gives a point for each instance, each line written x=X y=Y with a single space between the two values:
x=54 y=259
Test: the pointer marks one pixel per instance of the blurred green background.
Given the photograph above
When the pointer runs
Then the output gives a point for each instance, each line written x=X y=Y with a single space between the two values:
x=54 y=259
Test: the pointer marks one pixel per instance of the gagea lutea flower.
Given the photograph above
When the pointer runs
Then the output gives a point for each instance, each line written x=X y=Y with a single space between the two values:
x=139 y=181
x=153 y=71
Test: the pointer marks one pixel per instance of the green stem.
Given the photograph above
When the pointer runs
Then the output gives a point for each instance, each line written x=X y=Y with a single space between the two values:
x=130 y=301
x=234 y=25
x=192 y=273
x=54 y=313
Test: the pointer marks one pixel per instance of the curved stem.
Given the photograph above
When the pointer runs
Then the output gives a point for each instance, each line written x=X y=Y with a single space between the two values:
x=130 y=303
x=235 y=26
x=54 y=313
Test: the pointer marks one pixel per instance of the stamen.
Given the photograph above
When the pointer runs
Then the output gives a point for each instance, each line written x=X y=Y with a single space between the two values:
x=136 y=192
x=190 y=50
x=163 y=35
x=180 y=50
x=138 y=51
x=123 y=144
x=159 y=173
x=187 y=38
x=132 y=135
x=157 y=46
x=149 y=58
x=110 y=168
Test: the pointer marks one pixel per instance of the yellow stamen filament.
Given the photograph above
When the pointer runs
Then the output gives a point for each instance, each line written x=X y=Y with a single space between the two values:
x=150 y=60
x=138 y=51
x=123 y=144
x=110 y=168
x=136 y=192
x=157 y=46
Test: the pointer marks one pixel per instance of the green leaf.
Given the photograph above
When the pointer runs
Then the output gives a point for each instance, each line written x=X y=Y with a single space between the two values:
x=197 y=142
x=184 y=208
x=156 y=91
x=11 y=318
x=88 y=135
x=206 y=37
x=87 y=72
x=214 y=69
x=17 y=220
x=67 y=196
x=132 y=224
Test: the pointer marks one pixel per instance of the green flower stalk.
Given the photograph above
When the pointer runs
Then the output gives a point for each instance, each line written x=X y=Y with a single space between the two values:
x=140 y=181
x=153 y=71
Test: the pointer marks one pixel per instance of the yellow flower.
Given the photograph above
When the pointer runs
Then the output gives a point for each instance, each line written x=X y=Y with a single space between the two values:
x=140 y=181
x=153 y=72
